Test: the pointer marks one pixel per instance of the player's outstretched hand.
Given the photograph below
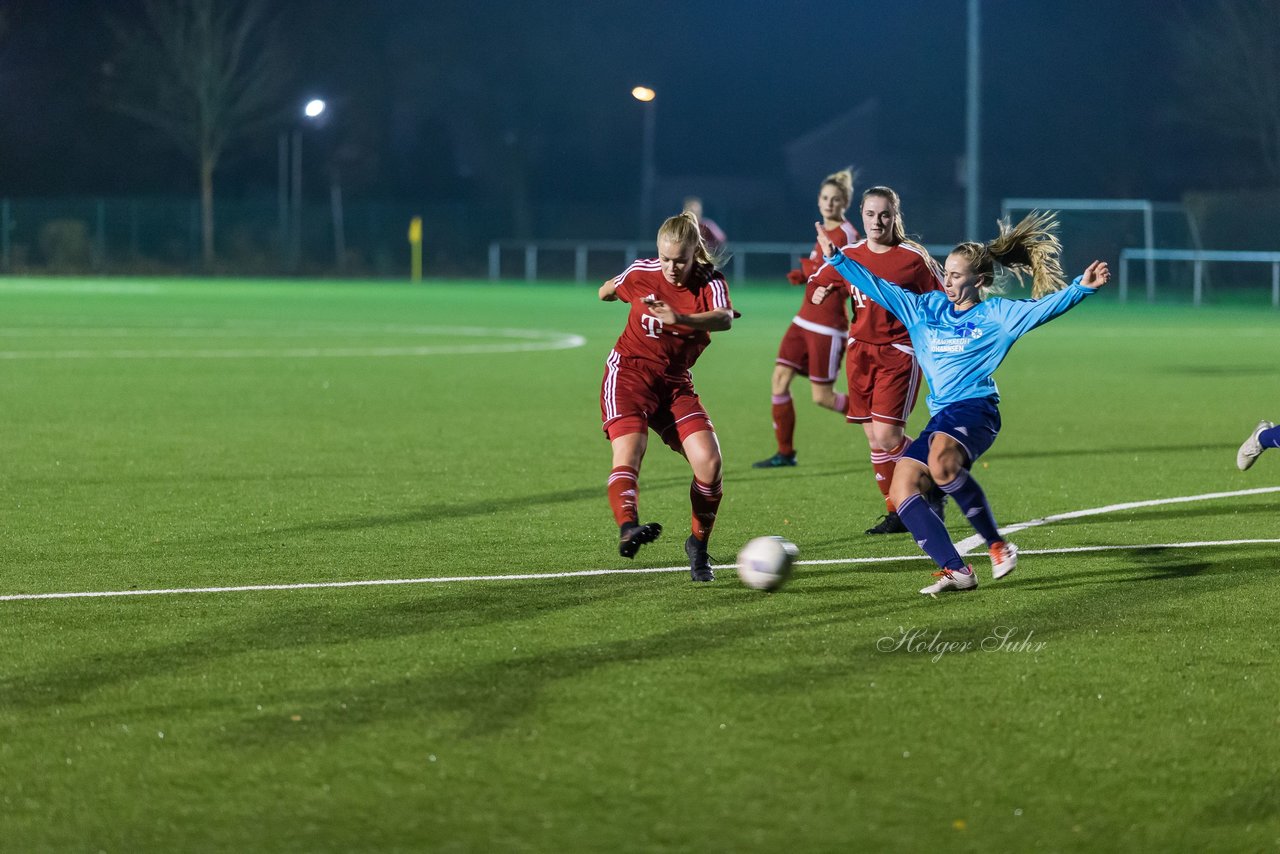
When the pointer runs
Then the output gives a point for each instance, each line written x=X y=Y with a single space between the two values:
x=819 y=294
x=1096 y=275
x=661 y=310
x=828 y=248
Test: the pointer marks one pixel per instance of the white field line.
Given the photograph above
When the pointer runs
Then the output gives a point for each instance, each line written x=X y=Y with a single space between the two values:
x=969 y=544
x=540 y=576
x=567 y=343
x=1062 y=551
x=526 y=340
x=587 y=573
x=51 y=287
x=259 y=329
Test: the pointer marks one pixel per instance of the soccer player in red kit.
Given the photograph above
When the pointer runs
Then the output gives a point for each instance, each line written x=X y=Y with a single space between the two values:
x=677 y=300
x=814 y=342
x=712 y=234
x=884 y=376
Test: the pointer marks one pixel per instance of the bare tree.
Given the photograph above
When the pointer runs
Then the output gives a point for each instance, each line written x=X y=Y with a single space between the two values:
x=1231 y=71
x=205 y=73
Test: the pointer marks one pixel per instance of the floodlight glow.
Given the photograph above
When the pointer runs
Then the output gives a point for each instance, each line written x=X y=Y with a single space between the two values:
x=643 y=93
x=313 y=108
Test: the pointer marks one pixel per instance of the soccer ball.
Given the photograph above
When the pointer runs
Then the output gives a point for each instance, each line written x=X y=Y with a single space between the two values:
x=765 y=562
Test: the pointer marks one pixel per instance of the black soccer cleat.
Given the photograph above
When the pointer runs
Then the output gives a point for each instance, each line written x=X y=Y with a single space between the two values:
x=635 y=536
x=699 y=560
x=889 y=524
x=777 y=461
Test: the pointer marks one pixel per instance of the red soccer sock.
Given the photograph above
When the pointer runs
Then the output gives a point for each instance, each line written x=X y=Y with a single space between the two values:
x=705 y=500
x=624 y=495
x=884 y=463
x=784 y=423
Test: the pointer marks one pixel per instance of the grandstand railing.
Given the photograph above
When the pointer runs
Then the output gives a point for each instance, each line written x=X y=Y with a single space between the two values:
x=1197 y=257
x=582 y=249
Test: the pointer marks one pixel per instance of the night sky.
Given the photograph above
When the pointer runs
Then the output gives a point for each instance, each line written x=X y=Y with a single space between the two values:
x=444 y=99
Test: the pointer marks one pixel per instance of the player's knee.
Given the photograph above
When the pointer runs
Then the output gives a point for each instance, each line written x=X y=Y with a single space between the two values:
x=885 y=436
x=943 y=468
x=708 y=469
x=900 y=491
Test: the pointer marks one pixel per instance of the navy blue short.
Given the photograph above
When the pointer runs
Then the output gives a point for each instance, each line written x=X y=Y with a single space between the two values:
x=973 y=423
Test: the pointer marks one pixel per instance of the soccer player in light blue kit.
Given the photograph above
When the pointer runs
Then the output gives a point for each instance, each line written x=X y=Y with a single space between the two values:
x=959 y=341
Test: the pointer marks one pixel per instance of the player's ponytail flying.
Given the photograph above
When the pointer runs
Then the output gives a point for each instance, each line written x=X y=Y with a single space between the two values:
x=1030 y=247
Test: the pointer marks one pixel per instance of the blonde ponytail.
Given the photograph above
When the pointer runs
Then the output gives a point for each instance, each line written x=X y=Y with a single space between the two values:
x=1029 y=248
x=843 y=182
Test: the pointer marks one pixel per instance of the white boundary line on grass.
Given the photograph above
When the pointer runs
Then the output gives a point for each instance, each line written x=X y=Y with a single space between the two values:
x=967 y=545
x=539 y=576
x=526 y=340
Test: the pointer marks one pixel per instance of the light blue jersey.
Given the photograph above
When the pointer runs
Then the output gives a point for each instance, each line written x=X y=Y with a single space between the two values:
x=959 y=351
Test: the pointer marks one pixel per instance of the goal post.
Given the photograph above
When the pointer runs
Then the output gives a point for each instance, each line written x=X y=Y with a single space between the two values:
x=1145 y=207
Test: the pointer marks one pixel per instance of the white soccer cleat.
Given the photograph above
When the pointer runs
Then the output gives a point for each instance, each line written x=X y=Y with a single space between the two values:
x=1252 y=448
x=1004 y=559
x=951 y=580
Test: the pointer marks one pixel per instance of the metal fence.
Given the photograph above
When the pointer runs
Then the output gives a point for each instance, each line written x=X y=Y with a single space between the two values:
x=580 y=260
x=1198 y=258
x=162 y=235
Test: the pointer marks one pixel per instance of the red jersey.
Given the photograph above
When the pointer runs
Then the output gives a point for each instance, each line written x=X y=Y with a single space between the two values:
x=831 y=313
x=906 y=265
x=676 y=347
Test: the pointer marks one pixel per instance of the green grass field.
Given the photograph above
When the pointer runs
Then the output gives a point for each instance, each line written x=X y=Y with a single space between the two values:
x=185 y=434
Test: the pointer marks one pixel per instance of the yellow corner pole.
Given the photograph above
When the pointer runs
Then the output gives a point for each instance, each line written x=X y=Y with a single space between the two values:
x=415 y=246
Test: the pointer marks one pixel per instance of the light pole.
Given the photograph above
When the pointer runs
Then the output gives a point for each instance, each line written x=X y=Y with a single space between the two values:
x=289 y=191
x=648 y=171
x=315 y=110
x=973 y=124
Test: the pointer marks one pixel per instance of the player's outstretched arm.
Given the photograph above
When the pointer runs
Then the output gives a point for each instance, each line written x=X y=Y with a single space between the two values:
x=609 y=290
x=902 y=304
x=1096 y=275
x=715 y=320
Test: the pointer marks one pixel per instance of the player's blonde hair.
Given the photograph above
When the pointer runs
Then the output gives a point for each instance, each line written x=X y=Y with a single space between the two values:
x=1030 y=247
x=898 y=231
x=843 y=182
x=683 y=230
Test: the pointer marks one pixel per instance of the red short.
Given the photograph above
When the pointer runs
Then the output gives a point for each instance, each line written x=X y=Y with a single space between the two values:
x=637 y=396
x=812 y=350
x=884 y=381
